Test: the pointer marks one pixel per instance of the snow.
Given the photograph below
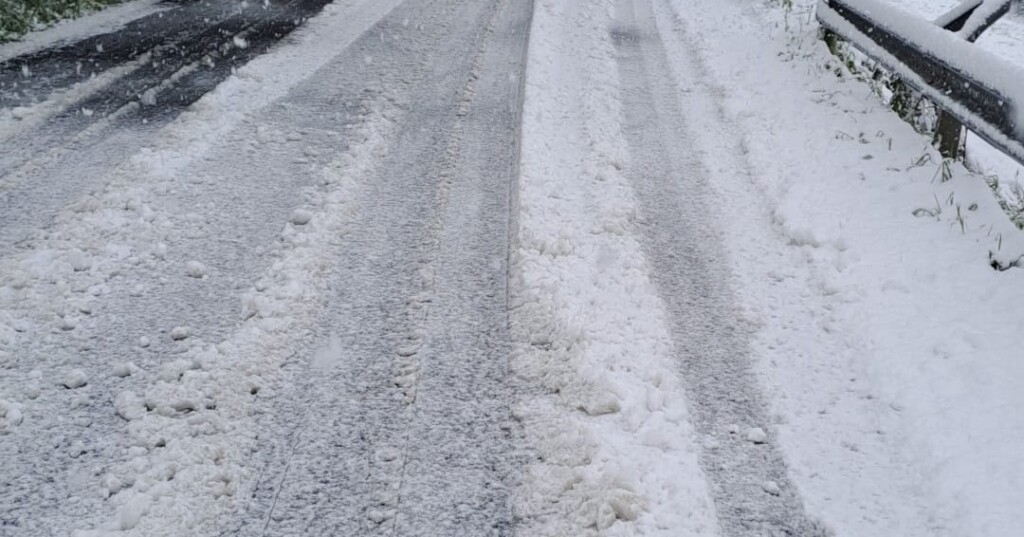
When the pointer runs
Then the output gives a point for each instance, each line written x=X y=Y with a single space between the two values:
x=195 y=269
x=126 y=369
x=129 y=406
x=1005 y=39
x=149 y=97
x=300 y=217
x=230 y=372
x=19 y=120
x=885 y=343
x=179 y=333
x=756 y=435
x=980 y=17
x=132 y=511
x=964 y=56
x=76 y=378
x=220 y=380
x=954 y=12
x=11 y=414
x=615 y=443
x=885 y=340
x=104 y=21
x=771 y=487
x=79 y=262
x=990 y=70
x=68 y=323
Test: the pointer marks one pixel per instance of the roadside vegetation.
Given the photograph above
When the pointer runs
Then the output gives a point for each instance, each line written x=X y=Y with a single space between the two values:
x=17 y=17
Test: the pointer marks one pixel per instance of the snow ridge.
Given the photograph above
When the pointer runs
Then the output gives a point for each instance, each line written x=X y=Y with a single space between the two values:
x=608 y=419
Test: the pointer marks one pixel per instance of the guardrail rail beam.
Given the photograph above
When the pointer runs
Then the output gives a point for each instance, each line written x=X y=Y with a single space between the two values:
x=971 y=86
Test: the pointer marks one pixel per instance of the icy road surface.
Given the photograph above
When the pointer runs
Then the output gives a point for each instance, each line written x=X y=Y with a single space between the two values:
x=490 y=267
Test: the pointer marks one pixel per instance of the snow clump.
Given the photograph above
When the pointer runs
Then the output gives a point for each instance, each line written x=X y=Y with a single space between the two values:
x=195 y=269
x=11 y=413
x=125 y=370
x=179 y=333
x=75 y=378
x=129 y=406
x=149 y=97
x=78 y=261
x=68 y=323
x=132 y=511
x=757 y=435
x=300 y=217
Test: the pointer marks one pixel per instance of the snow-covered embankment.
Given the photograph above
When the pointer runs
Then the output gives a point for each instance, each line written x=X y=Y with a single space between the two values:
x=888 y=346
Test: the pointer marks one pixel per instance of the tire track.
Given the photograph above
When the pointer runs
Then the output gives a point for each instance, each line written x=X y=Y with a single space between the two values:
x=752 y=491
x=405 y=430
x=87 y=134
x=172 y=38
x=229 y=214
x=173 y=70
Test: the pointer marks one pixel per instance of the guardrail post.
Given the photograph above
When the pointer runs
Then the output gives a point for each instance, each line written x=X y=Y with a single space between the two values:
x=984 y=98
x=962 y=19
x=948 y=132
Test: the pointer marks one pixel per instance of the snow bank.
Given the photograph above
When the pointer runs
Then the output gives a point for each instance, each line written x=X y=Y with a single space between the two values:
x=614 y=445
x=888 y=344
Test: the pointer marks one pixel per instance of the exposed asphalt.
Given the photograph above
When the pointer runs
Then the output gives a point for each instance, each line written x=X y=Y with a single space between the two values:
x=201 y=32
x=163 y=63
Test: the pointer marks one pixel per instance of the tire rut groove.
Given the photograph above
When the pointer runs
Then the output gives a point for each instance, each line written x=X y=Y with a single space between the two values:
x=175 y=72
x=672 y=186
x=229 y=215
x=425 y=257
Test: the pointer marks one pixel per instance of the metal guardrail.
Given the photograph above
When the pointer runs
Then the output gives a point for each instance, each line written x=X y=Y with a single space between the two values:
x=940 y=67
x=967 y=20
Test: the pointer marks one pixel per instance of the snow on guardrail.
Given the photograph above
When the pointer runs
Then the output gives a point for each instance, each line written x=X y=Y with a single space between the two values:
x=982 y=90
x=972 y=17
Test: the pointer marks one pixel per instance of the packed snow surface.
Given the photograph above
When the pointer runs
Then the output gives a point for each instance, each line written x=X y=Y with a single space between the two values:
x=617 y=267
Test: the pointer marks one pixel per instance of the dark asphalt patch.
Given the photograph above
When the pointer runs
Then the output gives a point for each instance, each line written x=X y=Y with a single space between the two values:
x=200 y=36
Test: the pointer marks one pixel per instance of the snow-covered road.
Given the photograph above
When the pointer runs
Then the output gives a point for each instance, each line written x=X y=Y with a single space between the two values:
x=402 y=425
x=685 y=252
x=489 y=267
x=74 y=108
x=378 y=310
